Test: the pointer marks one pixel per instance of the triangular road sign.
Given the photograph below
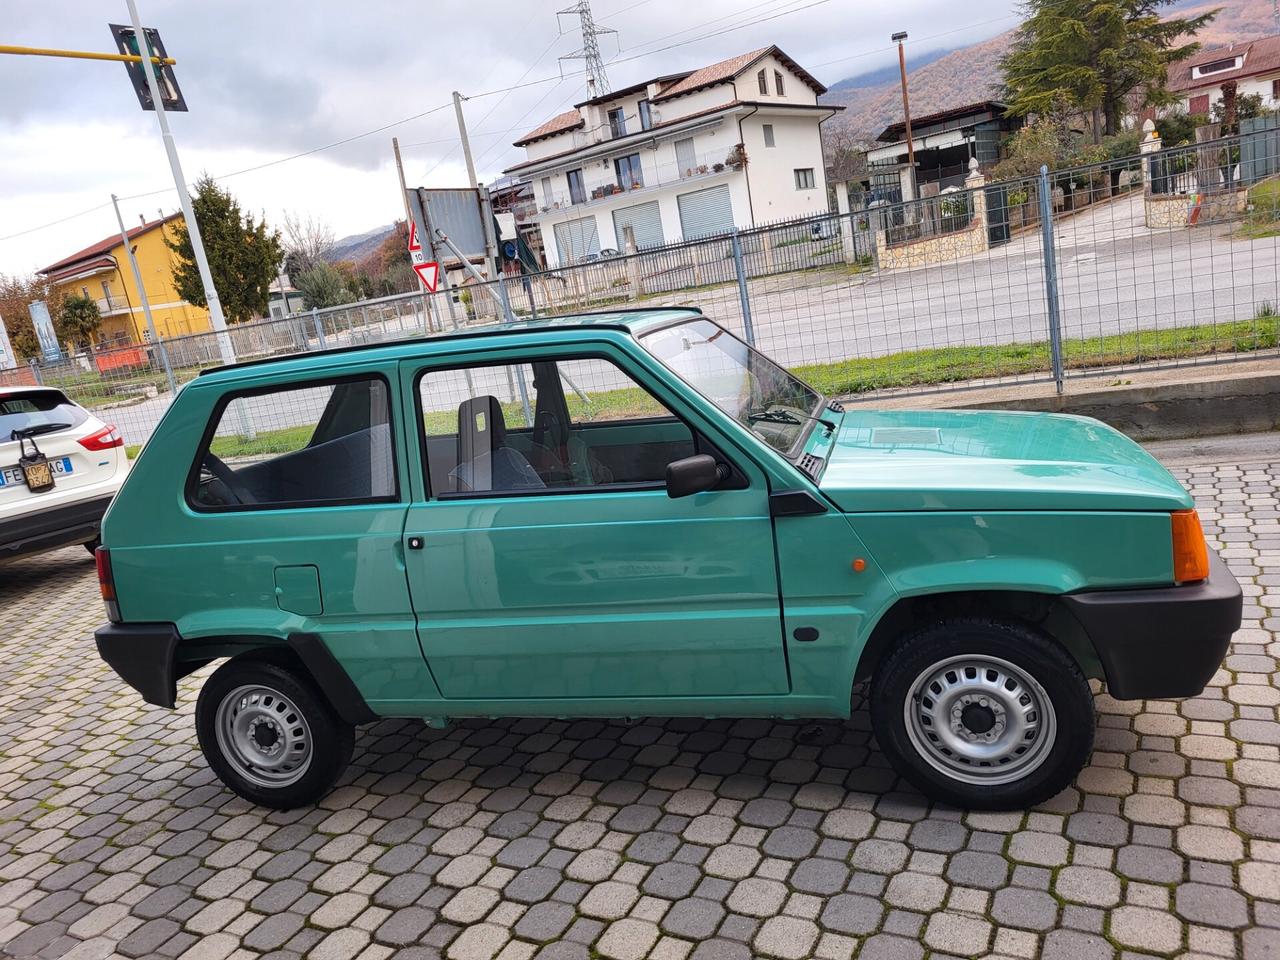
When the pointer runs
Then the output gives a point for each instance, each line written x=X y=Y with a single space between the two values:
x=414 y=245
x=429 y=274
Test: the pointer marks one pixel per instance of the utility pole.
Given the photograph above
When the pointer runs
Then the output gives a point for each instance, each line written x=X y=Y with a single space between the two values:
x=142 y=295
x=466 y=143
x=216 y=318
x=898 y=38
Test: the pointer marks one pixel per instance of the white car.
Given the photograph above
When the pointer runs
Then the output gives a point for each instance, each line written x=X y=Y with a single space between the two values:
x=59 y=468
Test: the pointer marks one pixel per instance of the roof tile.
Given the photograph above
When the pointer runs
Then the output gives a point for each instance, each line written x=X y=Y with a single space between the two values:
x=105 y=245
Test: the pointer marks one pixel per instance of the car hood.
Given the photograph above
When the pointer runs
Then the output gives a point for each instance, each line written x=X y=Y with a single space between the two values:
x=983 y=460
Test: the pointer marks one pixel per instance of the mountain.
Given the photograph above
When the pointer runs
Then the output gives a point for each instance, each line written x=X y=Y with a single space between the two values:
x=965 y=75
x=358 y=246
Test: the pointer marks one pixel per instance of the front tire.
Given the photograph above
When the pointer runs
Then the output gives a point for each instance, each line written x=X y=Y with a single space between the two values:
x=270 y=735
x=983 y=714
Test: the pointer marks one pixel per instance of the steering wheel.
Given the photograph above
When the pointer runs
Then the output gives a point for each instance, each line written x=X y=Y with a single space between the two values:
x=229 y=479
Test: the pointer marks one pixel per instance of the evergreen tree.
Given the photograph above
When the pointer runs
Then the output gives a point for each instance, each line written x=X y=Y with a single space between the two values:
x=79 y=320
x=1093 y=54
x=244 y=256
x=322 y=286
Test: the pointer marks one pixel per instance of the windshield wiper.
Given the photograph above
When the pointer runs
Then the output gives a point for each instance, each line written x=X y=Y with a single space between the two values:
x=37 y=430
x=784 y=416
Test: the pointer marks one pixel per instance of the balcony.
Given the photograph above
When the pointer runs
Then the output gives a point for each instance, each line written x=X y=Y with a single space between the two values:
x=602 y=185
x=110 y=305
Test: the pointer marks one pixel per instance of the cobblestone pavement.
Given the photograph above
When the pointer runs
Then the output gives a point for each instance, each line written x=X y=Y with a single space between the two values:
x=712 y=840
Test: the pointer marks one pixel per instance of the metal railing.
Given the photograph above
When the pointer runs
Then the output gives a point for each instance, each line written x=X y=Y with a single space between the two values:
x=1079 y=272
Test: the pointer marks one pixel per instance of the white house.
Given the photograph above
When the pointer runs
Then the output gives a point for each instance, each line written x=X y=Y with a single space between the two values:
x=679 y=157
x=1253 y=64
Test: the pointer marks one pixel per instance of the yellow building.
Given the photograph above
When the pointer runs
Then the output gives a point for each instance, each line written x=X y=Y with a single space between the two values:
x=102 y=272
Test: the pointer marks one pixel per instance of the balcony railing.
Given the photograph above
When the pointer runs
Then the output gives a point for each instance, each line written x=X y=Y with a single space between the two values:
x=606 y=187
x=111 y=304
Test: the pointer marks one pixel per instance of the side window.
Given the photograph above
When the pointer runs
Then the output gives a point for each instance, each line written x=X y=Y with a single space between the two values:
x=565 y=425
x=314 y=445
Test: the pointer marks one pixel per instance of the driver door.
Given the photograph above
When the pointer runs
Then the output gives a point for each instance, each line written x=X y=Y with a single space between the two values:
x=546 y=559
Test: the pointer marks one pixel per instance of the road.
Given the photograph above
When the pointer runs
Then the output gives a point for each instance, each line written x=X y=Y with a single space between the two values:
x=1115 y=276
x=684 y=839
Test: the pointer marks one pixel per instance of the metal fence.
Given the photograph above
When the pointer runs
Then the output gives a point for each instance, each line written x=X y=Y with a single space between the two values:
x=1100 y=269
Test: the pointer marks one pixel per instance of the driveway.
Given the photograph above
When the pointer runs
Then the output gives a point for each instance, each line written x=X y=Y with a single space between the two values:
x=680 y=838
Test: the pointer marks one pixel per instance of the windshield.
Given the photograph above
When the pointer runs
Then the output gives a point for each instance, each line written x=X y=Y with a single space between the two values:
x=36 y=408
x=742 y=382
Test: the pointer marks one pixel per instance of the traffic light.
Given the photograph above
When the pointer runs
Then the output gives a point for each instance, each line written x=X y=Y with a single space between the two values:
x=127 y=42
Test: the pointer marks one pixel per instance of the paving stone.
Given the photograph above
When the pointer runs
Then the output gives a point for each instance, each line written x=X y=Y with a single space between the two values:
x=852 y=913
x=789 y=938
x=693 y=918
x=544 y=922
x=819 y=876
x=1027 y=909
x=970 y=869
x=957 y=933
x=887 y=947
x=671 y=881
x=1089 y=885
x=1145 y=929
x=1074 y=945
x=1212 y=906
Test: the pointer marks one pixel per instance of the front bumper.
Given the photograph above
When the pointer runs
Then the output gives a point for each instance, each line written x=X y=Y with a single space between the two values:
x=56 y=527
x=1162 y=643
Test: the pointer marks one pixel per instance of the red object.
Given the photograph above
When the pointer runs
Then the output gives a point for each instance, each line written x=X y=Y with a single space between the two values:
x=429 y=274
x=107 y=583
x=104 y=439
x=414 y=245
x=122 y=358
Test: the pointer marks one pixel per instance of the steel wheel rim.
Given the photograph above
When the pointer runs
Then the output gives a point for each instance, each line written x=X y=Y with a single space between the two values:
x=950 y=703
x=264 y=735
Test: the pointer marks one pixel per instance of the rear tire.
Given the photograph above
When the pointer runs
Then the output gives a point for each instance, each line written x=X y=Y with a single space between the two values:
x=270 y=735
x=93 y=545
x=983 y=714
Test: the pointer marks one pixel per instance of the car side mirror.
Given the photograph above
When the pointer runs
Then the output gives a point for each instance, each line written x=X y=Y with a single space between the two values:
x=694 y=475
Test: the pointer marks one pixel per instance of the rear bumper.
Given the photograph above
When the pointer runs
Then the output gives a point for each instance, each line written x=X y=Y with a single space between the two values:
x=1162 y=643
x=144 y=656
x=58 y=526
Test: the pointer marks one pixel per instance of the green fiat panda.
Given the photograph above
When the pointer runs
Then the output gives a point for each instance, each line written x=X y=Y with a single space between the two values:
x=637 y=514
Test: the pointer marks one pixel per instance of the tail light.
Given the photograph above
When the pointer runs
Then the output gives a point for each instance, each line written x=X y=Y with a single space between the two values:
x=107 y=583
x=1190 y=552
x=106 y=438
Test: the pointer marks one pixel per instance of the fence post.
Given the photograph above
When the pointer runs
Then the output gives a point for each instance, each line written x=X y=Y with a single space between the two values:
x=315 y=319
x=1050 y=276
x=35 y=371
x=736 y=242
x=168 y=370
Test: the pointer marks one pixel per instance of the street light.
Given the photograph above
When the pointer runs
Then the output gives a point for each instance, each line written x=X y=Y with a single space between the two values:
x=898 y=38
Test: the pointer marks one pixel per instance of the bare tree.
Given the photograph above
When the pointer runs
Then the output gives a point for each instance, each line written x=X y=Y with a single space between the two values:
x=306 y=242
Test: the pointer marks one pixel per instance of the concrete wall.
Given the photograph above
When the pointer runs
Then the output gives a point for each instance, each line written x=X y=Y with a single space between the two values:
x=771 y=170
x=1176 y=211
x=794 y=90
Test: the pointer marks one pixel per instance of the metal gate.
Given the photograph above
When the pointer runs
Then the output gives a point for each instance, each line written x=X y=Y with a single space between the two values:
x=577 y=238
x=705 y=213
x=645 y=221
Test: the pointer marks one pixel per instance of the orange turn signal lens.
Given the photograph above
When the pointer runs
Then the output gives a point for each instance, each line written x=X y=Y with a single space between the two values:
x=1190 y=553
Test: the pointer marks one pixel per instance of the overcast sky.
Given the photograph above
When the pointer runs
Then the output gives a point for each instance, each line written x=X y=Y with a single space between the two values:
x=267 y=80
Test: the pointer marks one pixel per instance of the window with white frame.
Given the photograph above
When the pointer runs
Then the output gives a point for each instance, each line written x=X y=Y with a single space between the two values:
x=768 y=135
x=804 y=178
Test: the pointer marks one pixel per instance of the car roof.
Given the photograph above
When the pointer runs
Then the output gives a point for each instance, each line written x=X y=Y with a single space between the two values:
x=635 y=322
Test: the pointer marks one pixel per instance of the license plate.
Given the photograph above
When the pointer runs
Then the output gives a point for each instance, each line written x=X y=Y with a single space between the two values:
x=13 y=476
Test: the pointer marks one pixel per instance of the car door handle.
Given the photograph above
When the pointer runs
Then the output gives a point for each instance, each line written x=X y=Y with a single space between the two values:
x=415 y=543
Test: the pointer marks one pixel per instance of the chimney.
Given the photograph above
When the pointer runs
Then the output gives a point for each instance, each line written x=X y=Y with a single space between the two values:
x=142 y=220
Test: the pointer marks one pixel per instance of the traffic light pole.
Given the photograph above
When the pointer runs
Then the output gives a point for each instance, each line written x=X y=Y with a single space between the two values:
x=216 y=319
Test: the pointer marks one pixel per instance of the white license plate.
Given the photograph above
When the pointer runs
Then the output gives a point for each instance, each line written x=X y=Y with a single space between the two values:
x=12 y=476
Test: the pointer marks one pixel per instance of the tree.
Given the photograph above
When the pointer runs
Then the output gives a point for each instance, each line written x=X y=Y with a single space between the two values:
x=306 y=242
x=15 y=294
x=322 y=286
x=79 y=320
x=1232 y=107
x=390 y=267
x=1093 y=54
x=244 y=256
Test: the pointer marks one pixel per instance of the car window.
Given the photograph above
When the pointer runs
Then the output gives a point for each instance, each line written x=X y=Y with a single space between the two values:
x=564 y=425
x=312 y=445
x=40 y=409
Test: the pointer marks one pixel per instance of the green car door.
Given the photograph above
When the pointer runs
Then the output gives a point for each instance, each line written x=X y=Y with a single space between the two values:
x=544 y=556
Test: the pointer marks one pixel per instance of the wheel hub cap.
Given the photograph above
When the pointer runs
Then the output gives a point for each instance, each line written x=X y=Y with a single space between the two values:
x=264 y=735
x=980 y=719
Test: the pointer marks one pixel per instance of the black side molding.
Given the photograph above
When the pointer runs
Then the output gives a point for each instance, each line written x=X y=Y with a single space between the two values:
x=794 y=503
x=143 y=655
x=334 y=681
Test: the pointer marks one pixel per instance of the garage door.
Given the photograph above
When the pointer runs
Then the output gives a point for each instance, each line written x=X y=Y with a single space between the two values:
x=705 y=212
x=576 y=238
x=646 y=222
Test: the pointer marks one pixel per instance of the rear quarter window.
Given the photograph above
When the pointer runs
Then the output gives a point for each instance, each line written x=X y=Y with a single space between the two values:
x=315 y=444
x=25 y=409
